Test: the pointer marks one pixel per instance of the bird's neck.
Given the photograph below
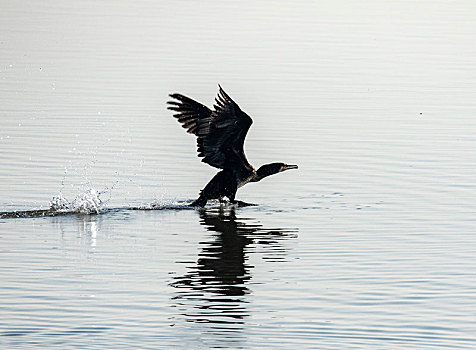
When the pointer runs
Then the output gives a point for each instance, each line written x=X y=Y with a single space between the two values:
x=265 y=171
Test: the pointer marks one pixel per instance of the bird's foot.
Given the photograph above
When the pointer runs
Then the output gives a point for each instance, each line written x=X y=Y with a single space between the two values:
x=243 y=204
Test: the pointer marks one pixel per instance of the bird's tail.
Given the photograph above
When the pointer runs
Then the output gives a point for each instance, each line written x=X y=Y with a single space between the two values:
x=200 y=202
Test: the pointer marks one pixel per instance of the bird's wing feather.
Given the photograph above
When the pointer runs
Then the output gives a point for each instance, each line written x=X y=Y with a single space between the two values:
x=220 y=133
x=193 y=116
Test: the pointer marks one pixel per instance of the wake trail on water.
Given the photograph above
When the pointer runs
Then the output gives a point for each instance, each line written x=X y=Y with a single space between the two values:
x=88 y=202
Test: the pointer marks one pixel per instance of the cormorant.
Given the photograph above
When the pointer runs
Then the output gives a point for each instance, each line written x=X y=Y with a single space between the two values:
x=220 y=137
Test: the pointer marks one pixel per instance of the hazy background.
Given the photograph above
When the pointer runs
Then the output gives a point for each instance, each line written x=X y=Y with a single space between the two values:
x=84 y=86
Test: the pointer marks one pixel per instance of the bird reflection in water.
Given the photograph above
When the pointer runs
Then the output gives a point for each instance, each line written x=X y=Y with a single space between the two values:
x=214 y=290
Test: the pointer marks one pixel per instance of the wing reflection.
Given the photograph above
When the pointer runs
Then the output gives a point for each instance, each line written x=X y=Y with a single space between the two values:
x=214 y=290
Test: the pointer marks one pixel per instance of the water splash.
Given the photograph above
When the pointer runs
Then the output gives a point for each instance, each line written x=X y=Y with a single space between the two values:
x=86 y=202
x=89 y=202
x=163 y=204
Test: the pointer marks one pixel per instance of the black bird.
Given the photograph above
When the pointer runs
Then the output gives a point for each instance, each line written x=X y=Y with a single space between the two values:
x=220 y=137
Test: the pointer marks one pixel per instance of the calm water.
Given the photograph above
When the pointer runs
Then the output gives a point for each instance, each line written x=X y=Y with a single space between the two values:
x=371 y=244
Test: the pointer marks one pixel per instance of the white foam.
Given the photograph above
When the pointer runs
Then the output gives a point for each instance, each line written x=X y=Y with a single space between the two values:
x=85 y=202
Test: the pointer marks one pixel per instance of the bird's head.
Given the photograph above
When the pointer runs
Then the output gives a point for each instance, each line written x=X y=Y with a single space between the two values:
x=273 y=168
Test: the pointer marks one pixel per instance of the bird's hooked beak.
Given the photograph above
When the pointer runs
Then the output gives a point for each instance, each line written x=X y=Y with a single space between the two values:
x=288 y=167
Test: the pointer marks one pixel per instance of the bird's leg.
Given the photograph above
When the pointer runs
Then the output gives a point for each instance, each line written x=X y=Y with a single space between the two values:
x=231 y=197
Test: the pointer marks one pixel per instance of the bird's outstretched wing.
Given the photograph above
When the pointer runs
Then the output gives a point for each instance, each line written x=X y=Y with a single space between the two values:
x=220 y=133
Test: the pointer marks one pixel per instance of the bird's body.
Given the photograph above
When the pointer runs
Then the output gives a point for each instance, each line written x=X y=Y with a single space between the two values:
x=220 y=137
